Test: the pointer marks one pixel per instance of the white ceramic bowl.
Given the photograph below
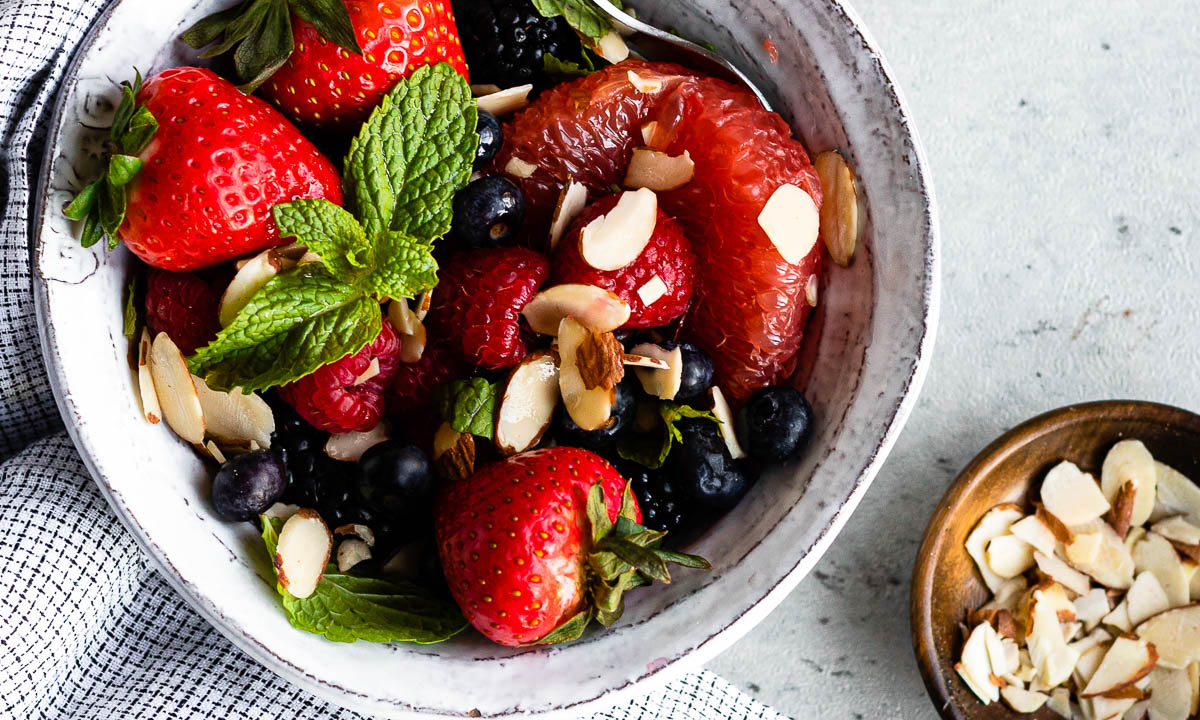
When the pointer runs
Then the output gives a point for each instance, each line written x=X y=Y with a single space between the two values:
x=876 y=334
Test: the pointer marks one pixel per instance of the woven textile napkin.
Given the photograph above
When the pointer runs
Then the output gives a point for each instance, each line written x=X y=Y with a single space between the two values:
x=88 y=629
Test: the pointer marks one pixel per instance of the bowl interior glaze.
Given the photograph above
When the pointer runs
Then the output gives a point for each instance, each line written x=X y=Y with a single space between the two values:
x=875 y=322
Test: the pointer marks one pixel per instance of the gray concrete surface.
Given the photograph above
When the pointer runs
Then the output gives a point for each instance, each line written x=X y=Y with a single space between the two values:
x=1063 y=138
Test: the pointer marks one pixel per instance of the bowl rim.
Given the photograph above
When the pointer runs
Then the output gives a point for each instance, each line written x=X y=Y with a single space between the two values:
x=706 y=648
x=1012 y=441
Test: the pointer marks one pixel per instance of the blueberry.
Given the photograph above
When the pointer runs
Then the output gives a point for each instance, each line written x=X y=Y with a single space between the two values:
x=488 y=212
x=491 y=137
x=664 y=507
x=247 y=485
x=601 y=441
x=397 y=479
x=703 y=466
x=697 y=373
x=774 y=423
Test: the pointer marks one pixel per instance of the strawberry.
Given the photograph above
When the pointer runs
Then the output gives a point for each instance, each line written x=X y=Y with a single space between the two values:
x=183 y=306
x=536 y=545
x=479 y=299
x=668 y=257
x=347 y=395
x=329 y=63
x=196 y=167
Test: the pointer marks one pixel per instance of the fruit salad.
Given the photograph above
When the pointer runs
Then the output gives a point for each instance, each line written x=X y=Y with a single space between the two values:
x=465 y=354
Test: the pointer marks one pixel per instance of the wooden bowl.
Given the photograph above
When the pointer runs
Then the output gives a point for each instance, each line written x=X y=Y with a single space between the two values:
x=945 y=582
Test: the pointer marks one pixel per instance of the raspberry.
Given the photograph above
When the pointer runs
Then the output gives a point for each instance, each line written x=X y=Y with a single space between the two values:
x=413 y=386
x=668 y=256
x=505 y=41
x=183 y=306
x=332 y=399
x=479 y=299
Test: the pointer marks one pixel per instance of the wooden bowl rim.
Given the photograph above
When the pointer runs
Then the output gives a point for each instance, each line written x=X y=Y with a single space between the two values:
x=921 y=588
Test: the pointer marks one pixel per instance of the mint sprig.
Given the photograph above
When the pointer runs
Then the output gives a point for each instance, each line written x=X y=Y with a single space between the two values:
x=567 y=68
x=468 y=405
x=321 y=312
x=346 y=608
x=651 y=449
x=581 y=15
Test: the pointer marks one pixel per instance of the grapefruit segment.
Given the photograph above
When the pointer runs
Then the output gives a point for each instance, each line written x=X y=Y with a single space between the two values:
x=749 y=308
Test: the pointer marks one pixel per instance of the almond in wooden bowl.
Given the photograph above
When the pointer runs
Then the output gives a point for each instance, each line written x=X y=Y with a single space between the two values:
x=947 y=585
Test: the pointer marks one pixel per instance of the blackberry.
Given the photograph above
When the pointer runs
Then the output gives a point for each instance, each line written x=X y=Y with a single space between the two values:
x=505 y=41
x=314 y=480
x=663 y=505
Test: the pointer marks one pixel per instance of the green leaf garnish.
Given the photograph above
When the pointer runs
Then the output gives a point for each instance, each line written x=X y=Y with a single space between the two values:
x=581 y=15
x=261 y=32
x=378 y=247
x=101 y=205
x=413 y=154
x=651 y=449
x=568 y=68
x=468 y=405
x=131 y=305
x=346 y=608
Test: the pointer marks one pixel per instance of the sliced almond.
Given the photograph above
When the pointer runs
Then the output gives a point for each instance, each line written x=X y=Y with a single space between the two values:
x=790 y=220
x=1177 y=529
x=1089 y=661
x=176 y=392
x=632 y=360
x=1008 y=594
x=248 y=280
x=1072 y=496
x=1060 y=702
x=594 y=307
x=350 y=446
x=1130 y=461
x=994 y=523
x=659 y=171
x=571 y=199
x=372 y=371
x=235 y=416
x=1121 y=515
x=358 y=530
x=1002 y=661
x=649 y=131
x=453 y=453
x=1084 y=548
x=1008 y=555
x=611 y=46
x=839 y=206
x=1193 y=671
x=302 y=552
x=1155 y=553
x=662 y=384
x=309 y=257
x=478 y=90
x=283 y=511
x=1145 y=598
x=423 y=303
x=1091 y=640
x=810 y=290
x=402 y=317
x=1176 y=493
x=412 y=347
x=1070 y=578
x=645 y=85
x=1091 y=608
x=724 y=415
x=1033 y=531
x=976 y=667
x=1119 y=617
x=1113 y=565
x=506 y=101
x=1126 y=662
x=151 y=409
x=600 y=360
x=588 y=403
x=215 y=452
x=1061 y=532
x=1175 y=634
x=350 y=553
x=527 y=407
x=1052 y=657
x=652 y=290
x=1170 y=694
x=1023 y=701
x=615 y=239
x=519 y=168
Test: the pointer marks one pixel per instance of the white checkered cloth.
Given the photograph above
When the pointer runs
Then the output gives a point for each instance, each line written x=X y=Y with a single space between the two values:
x=88 y=630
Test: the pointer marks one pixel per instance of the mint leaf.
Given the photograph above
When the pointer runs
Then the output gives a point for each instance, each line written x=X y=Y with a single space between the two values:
x=131 y=306
x=651 y=449
x=581 y=15
x=330 y=232
x=299 y=321
x=346 y=608
x=406 y=266
x=468 y=405
x=567 y=68
x=412 y=155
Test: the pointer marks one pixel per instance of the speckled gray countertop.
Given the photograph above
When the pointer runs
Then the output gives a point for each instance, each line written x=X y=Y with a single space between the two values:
x=1064 y=140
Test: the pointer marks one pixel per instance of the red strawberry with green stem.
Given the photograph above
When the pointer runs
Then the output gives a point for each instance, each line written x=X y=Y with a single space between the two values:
x=327 y=63
x=196 y=167
x=537 y=545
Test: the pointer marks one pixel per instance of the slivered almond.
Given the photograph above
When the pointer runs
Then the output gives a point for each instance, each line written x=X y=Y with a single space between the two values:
x=658 y=171
x=371 y=372
x=652 y=290
x=839 y=207
x=649 y=131
x=519 y=168
x=350 y=446
x=503 y=102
